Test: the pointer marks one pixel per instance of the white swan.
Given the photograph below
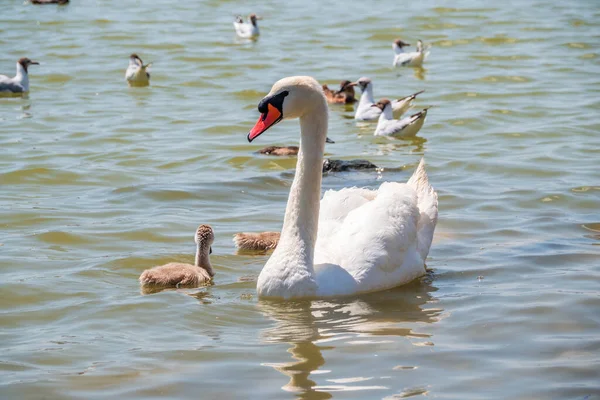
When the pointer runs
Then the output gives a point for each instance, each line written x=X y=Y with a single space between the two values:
x=364 y=111
x=412 y=59
x=354 y=240
x=20 y=83
x=406 y=127
x=137 y=73
x=248 y=29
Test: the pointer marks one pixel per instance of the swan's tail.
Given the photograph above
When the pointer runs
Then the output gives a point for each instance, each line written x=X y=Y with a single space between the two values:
x=428 y=206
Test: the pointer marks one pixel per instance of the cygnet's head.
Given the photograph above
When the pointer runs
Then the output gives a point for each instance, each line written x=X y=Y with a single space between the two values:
x=204 y=238
x=26 y=62
x=382 y=104
x=289 y=98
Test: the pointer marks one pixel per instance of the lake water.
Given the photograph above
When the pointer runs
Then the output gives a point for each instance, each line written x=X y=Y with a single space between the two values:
x=100 y=181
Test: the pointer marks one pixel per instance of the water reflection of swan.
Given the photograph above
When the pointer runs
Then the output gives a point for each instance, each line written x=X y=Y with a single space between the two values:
x=312 y=328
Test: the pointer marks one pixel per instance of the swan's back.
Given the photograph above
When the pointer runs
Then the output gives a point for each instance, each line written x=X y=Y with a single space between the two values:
x=381 y=238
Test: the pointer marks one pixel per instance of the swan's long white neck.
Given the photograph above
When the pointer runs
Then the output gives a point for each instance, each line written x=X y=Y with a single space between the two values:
x=22 y=77
x=291 y=264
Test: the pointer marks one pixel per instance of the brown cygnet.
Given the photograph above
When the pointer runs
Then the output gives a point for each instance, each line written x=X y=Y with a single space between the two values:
x=256 y=241
x=176 y=274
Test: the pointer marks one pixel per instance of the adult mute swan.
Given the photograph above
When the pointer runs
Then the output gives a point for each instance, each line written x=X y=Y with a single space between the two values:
x=137 y=73
x=20 y=83
x=354 y=240
x=182 y=274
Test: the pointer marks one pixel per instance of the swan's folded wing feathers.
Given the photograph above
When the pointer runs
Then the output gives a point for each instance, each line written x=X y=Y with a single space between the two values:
x=334 y=208
x=428 y=208
x=376 y=235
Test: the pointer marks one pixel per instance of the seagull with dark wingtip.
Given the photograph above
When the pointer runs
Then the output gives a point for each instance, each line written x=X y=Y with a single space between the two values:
x=406 y=127
x=20 y=83
x=409 y=59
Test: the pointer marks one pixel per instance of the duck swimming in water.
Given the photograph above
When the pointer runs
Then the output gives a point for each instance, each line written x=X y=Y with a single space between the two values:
x=59 y=2
x=284 y=150
x=345 y=94
x=181 y=274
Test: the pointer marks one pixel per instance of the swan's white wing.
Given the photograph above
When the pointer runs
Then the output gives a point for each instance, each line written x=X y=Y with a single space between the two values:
x=4 y=78
x=335 y=207
x=376 y=243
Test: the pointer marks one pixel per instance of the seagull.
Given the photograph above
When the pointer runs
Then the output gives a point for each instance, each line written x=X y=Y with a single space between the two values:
x=246 y=30
x=20 y=83
x=364 y=111
x=412 y=59
x=137 y=73
x=406 y=127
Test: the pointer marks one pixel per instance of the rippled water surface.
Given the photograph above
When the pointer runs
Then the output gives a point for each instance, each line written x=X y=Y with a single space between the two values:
x=100 y=181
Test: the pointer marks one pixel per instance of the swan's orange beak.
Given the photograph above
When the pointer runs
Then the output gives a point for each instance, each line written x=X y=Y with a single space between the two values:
x=266 y=120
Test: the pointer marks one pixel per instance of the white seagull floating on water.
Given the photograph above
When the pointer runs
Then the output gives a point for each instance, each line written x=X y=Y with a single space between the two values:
x=406 y=127
x=20 y=83
x=137 y=73
x=248 y=29
x=412 y=59
x=364 y=111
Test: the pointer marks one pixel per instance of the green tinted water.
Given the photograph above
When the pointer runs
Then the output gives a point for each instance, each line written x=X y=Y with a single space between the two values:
x=100 y=181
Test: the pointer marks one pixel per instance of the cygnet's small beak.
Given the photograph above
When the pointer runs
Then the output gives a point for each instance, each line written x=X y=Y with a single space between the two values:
x=327 y=140
x=210 y=250
x=34 y=63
